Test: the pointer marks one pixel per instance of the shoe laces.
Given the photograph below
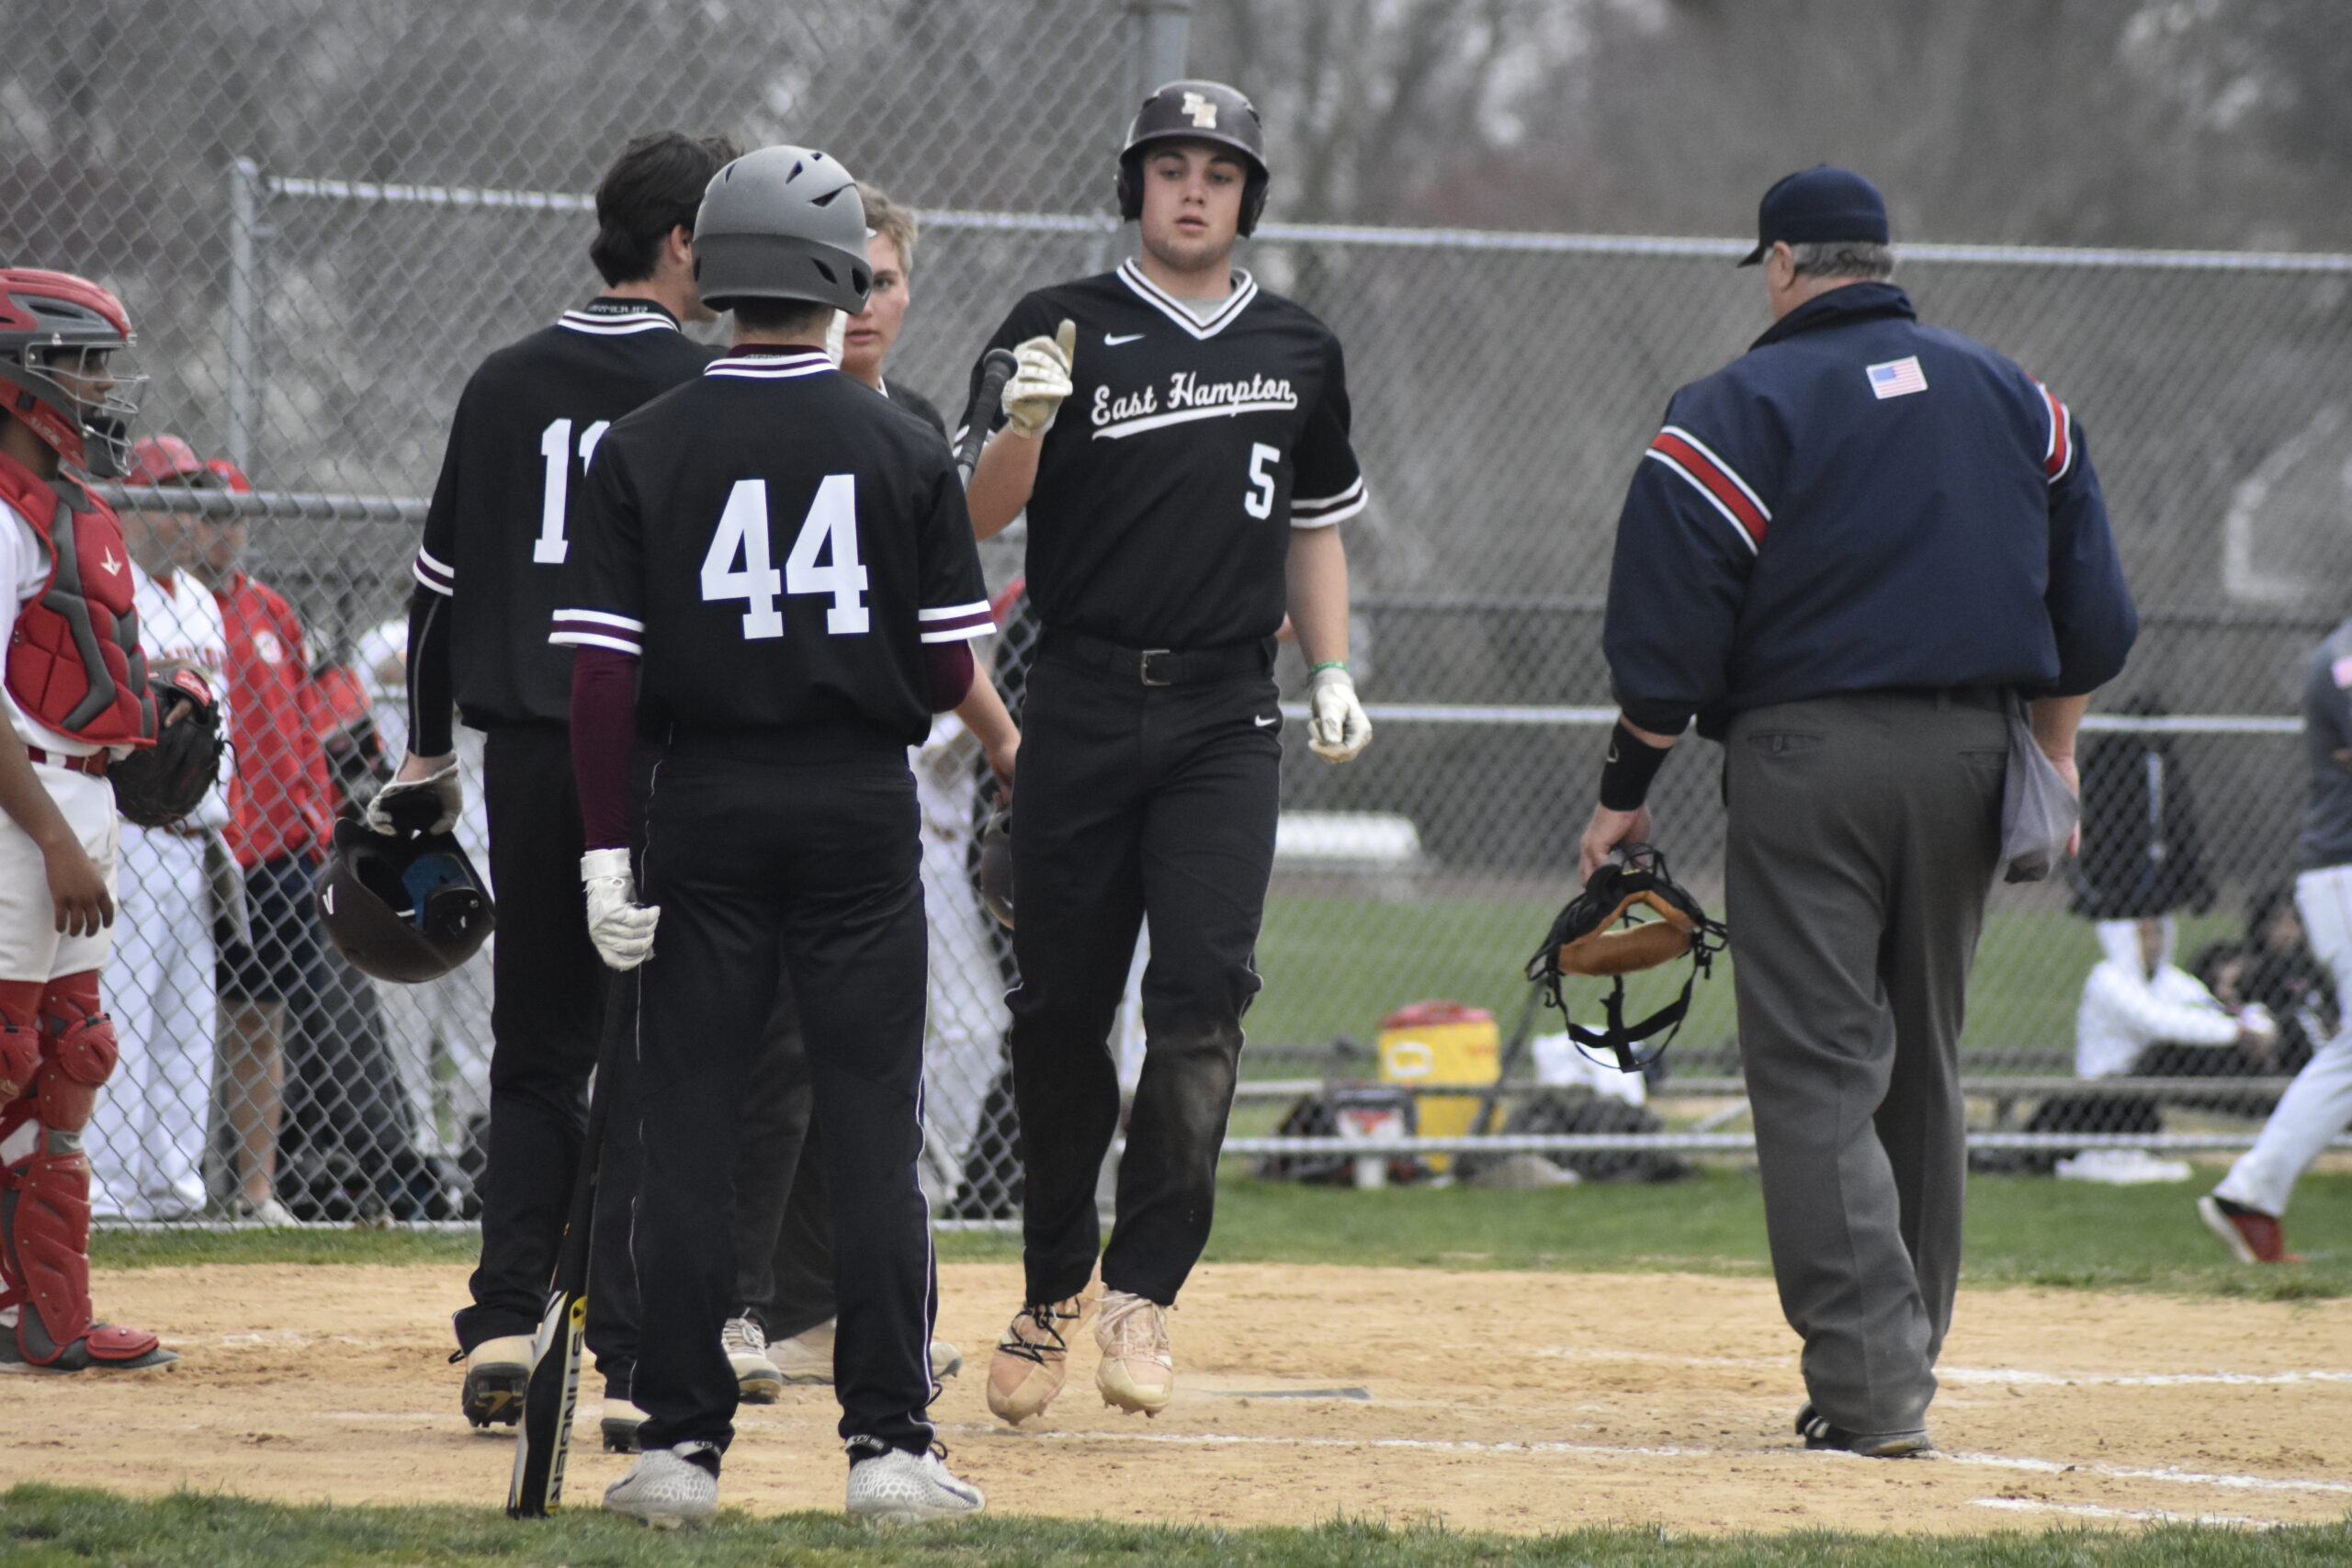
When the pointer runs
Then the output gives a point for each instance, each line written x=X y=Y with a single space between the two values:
x=744 y=1335
x=1133 y=1328
x=1041 y=1320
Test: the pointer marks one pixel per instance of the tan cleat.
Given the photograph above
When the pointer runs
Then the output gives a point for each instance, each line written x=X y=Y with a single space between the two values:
x=757 y=1381
x=1137 y=1372
x=807 y=1357
x=1029 y=1366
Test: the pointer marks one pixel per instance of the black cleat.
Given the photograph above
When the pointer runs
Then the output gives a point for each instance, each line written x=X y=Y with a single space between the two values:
x=1818 y=1432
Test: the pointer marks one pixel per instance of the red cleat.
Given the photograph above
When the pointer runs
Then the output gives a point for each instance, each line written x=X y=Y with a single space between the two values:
x=2251 y=1235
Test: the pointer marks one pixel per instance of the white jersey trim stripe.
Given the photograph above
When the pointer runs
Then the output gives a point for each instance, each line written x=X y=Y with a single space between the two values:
x=592 y=639
x=954 y=611
x=960 y=633
x=426 y=558
x=1127 y=427
x=1725 y=469
x=1245 y=289
x=601 y=618
x=769 y=367
x=1313 y=504
x=1695 y=483
x=1319 y=518
x=445 y=589
x=616 y=325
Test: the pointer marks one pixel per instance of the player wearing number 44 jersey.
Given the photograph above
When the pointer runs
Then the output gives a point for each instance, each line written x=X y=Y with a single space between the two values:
x=1180 y=439
x=495 y=541
x=775 y=575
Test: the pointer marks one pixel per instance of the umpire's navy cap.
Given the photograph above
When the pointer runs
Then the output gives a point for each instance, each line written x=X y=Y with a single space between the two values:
x=1818 y=203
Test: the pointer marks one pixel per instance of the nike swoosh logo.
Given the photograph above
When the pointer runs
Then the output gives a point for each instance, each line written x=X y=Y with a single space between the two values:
x=1267 y=722
x=1112 y=342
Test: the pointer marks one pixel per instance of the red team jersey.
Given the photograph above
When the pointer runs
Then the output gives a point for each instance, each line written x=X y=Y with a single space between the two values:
x=281 y=804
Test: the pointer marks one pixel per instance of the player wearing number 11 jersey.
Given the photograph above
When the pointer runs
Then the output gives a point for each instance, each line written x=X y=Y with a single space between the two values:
x=495 y=541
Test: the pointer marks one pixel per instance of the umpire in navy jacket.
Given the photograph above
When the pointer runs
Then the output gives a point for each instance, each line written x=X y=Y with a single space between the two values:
x=1840 y=556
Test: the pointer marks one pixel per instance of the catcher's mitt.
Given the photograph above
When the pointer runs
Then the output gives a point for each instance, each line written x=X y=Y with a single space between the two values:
x=1587 y=938
x=157 y=786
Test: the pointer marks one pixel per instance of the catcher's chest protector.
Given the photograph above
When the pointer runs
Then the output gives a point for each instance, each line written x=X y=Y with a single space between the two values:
x=75 y=662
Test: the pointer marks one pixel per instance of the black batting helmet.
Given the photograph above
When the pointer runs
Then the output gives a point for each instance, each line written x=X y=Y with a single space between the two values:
x=996 y=867
x=409 y=907
x=1196 y=111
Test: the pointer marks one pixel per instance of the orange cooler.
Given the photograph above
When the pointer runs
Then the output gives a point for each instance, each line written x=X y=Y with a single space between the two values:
x=1440 y=1042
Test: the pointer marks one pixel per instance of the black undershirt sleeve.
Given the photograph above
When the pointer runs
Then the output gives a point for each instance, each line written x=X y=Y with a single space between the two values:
x=432 y=689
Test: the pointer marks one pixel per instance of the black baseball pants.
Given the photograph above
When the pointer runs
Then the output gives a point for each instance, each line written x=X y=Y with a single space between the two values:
x=547 y=990
x=807 y=839
x=783 y=1214
x=1134 y=801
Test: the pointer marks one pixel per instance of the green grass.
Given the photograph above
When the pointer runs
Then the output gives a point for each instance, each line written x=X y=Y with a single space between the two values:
x=1338 y=966
x=46 y=1526
x=2021 y=1231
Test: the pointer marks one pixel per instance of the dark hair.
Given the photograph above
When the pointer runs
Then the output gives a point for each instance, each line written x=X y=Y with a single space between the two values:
x=774 y=317
x=2263 y=907
x=652 y=187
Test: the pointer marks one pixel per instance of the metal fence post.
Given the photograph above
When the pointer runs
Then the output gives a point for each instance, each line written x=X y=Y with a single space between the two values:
x=1163 y=43
x=244 y=312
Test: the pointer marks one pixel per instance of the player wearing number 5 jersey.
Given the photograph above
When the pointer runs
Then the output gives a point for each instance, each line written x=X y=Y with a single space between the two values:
x=776 y=560
x=1180 y=439
x=495 y=542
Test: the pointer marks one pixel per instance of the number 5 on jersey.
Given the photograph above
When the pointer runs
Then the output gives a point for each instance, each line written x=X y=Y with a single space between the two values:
x=823 y=560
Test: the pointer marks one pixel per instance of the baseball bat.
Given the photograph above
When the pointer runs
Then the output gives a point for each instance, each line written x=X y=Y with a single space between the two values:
x=996 y=368
x=551 y=1398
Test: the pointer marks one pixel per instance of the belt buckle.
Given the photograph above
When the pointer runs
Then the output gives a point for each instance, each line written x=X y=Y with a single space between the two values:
x=1143 y=665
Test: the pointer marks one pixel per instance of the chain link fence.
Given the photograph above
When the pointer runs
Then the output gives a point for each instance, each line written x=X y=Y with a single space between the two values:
x=318 y=250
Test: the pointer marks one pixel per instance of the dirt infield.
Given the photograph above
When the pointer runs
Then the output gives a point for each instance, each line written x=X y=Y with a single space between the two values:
x=1522 y=1402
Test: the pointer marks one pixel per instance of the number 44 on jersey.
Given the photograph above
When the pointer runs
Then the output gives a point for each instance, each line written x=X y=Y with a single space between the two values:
x=824 y=559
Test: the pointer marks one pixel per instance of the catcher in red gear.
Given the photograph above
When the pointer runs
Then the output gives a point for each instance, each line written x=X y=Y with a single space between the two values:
x=77 y=698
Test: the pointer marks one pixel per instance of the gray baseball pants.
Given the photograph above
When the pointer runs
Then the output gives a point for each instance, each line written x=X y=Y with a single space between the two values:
x=1864 y=831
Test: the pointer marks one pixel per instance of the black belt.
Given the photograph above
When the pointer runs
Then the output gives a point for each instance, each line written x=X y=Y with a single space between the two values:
x=1160 y=666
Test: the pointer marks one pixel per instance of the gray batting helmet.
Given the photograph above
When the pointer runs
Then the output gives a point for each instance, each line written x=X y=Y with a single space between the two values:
x=782 y=224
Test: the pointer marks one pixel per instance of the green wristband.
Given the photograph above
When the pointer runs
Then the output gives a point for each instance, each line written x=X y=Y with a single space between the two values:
x=1327 y=664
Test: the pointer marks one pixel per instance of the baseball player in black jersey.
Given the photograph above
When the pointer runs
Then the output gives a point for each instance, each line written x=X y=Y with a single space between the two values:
x=776 y=575
x=495 y=540
x=1180 y=439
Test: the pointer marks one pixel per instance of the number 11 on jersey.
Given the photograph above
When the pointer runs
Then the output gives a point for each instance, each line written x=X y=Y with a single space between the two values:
x=555 y=450
x=830 y=530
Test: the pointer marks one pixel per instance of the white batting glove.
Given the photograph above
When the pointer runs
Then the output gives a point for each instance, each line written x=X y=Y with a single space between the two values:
x=440 y=785
x=621 y=928
x=1040 y=381
x=1336 y=726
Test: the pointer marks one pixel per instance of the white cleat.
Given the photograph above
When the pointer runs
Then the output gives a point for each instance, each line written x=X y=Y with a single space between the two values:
x=899 y=1488
x=497 y=1371
x=757 y=1380
x=665 y=1488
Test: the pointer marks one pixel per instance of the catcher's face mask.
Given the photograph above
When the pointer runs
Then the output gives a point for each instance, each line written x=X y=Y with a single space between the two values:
x=1631 y=917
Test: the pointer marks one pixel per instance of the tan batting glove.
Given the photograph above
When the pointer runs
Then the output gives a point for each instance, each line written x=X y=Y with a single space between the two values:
x=1336 y=726
x=1040 y=381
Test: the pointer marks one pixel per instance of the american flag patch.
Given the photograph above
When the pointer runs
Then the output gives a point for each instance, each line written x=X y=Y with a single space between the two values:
x=1897 y=377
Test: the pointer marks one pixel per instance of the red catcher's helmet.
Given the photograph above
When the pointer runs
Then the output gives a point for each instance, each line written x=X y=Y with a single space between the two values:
x=169 y=460
x=56 y=333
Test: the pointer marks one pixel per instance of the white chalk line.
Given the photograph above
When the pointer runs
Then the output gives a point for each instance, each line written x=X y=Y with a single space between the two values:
x=2166 y=1473
x=2144 y=1515
x=2016 y=1376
